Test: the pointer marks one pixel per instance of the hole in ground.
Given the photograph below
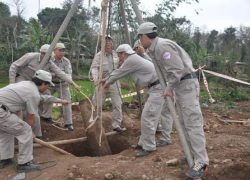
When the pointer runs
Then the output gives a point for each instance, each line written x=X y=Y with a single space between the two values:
x=117 y=143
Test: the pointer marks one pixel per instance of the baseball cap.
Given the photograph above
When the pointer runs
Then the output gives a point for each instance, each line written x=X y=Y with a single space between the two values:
x=108 y=37
x=125 y=48
x=59 y=46
x=146 y=28
x=44 y=76
x=44 y=48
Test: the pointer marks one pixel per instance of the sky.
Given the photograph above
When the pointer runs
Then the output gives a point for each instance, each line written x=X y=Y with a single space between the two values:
x=212 y=14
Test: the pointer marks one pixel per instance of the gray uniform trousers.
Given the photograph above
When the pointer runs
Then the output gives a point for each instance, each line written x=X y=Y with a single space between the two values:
x=187 y=98
x=166 y=123
x=114 y=94
x=150 y=118
x=11 y=126
x=63 y=93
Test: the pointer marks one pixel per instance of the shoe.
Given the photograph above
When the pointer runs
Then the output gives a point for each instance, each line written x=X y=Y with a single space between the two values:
x=197 y=171
x=119 y=129
x=142 y=153
x=6 y=162
x=162 y=143
x=27 y=167
x=47 y=120
x=69 y=127
x=136 y=146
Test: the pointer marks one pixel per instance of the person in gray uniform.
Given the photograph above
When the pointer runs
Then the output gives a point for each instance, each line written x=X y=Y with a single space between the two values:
x=62 y=87
x=14 y=98
x=143 y=73
x=24 y=69
x=109 y=64
x=166 y=121
x=176 y=67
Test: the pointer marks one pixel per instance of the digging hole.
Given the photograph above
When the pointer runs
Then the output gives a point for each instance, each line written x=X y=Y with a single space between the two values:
x=117 y=143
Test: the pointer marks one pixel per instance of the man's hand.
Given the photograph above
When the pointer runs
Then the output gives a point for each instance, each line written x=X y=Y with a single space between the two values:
x=168 y=92
x=95 y=82
x=76 y=86
x=140 y=50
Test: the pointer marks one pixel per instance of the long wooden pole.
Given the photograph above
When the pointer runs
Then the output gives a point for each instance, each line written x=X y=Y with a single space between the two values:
x=59 y=33
x=127 y=39
x=51 y=146
x=70 y=141
x=137 y=11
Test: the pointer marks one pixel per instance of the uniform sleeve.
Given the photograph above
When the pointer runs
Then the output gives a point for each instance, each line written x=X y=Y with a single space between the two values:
x=32 y=104
x=172 y=64
x=50 y=99
x=127 y=67
x=146 y=56
x=95 y=66
x=59 y=73
x=24 y=60
x=68 y=68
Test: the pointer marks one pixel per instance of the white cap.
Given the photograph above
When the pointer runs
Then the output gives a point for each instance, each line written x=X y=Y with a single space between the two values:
x=125 y=48
x=146 y=28
x=44 y=76
x=44 y=48
x=59 y=46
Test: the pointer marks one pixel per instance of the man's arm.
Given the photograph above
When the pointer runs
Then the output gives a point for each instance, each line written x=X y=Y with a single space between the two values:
x=95 y=68
x=62 y=75
x=126 y=68
x=52 y=99
x=21 y=62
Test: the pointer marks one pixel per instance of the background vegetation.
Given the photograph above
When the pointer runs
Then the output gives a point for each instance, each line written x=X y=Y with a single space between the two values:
x=225 y=52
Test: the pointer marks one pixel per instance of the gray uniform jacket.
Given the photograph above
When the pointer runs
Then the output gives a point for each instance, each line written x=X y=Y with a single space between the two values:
x=65 y=65
x=24 y=96
x=28 y=64
x=141 y=70
x=110 y=63
x=173 y=59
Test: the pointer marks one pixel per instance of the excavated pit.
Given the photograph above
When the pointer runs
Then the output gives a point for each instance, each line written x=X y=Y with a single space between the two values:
x=117 y=144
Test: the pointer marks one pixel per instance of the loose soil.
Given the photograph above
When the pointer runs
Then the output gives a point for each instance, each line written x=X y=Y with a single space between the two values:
x=228 y=146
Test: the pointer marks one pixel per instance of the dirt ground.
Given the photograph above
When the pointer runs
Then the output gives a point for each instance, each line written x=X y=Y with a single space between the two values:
x=228 y=146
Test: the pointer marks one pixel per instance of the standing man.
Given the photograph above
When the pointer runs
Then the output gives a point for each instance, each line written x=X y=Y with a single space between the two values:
x=166 y=121
x=24 y=69
x=62 y=87
x=143 y=73
x=14 y=98
x=109 y=64
x=177 y=69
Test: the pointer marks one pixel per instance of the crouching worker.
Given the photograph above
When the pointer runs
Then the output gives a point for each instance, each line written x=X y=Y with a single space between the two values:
x=14 y=98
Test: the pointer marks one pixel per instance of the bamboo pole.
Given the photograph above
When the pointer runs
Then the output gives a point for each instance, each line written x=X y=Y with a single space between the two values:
x=59 y=33
x=43 y=143
x=127 y=39
x=137 y=11
x=70 y=141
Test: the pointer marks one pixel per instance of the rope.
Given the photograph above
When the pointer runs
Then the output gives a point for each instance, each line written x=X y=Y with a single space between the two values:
x=211 y=100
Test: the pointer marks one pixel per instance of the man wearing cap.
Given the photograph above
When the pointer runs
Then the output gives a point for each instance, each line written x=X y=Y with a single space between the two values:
x=166 y=121
x=18 y=97
x=24 y=69
x=109 y=64
x=176 y=67
x=62 y=87
x=143 y=73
